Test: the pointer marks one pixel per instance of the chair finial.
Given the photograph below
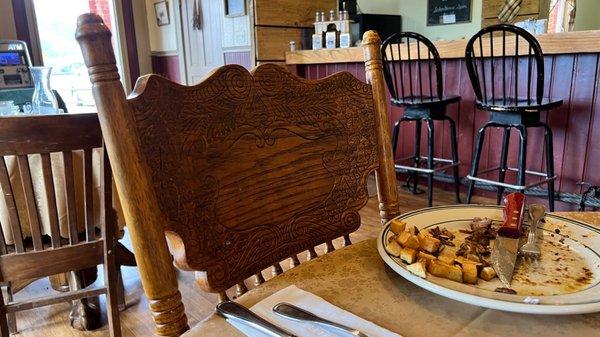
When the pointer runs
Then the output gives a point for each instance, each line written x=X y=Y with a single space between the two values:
x=95 y=41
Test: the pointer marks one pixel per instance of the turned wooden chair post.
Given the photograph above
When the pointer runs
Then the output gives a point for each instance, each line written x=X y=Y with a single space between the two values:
x=142 y=213
x=385 y=175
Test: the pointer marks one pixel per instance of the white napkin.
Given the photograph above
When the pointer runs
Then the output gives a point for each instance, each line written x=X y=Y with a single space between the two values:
x=313 y=304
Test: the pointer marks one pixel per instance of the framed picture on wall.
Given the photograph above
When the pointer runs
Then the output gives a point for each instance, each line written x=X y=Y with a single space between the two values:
x=235 y=8
x=161 y=10
x=446 y=12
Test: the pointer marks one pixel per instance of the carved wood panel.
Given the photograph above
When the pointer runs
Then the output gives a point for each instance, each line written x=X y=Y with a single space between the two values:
x=251 y=168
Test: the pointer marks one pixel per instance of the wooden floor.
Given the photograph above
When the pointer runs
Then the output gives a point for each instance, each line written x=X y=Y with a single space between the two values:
x=53 y=320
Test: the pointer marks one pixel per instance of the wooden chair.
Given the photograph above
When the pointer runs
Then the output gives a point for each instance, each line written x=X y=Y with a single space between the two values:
x=422 y=97
x=46 y=255
x=242 y=170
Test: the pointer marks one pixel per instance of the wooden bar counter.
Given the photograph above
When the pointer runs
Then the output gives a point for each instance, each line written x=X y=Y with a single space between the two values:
x=572 y=66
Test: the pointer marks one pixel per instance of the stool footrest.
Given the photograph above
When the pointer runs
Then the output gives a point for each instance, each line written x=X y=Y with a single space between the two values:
x=512 y=186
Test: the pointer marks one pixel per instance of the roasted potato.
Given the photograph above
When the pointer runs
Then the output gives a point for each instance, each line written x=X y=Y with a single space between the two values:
x=408 y=255
x=393 y=248
x=397 y=226
x=487 y=273
x=428 y=243
x=446 y=258
x=444 y=270
x=405 y=239
x=469 y=273
x=418 y=268
x=426 y=256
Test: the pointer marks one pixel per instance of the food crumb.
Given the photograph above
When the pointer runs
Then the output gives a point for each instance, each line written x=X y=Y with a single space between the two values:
x=557 y=231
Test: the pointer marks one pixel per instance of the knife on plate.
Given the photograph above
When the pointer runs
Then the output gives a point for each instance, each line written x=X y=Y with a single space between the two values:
x=507 y=243
x=234 y=311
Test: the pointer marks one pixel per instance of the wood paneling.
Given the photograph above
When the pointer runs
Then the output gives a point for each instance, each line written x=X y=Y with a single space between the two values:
x=576 y=125
x=290 y=13
x=560 y=43
x=273 y=42
x=243 y=58
x=167 y=66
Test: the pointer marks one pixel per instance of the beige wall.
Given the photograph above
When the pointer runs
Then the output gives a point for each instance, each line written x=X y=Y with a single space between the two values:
x=414 y=18
x=587 y=15
x=7 y=23
x=162 y=38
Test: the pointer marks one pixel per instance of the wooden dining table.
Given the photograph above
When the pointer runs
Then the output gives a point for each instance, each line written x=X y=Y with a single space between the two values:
x=356 y=279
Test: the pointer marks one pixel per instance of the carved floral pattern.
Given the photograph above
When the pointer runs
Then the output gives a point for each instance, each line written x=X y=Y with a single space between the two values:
x=192 y=136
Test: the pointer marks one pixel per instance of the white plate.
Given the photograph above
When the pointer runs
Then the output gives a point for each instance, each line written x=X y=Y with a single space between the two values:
x=581 y=241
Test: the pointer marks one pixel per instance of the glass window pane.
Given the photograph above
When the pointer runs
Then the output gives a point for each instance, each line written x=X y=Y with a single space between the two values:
x=56 y=21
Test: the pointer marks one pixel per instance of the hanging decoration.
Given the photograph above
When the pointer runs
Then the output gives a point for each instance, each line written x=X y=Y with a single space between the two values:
x=196 y=16
x=510 y=10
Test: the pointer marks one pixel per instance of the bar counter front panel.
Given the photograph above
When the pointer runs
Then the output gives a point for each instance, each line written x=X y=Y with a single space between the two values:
x=576 y=125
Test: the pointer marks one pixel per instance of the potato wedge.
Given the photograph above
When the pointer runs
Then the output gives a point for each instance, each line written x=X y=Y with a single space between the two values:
x=397 y=226
x=418 y=268
x=393 y=248
x=487 y=273
x=444 y=270
x=429 y=243
x=408 y=255
x=469 y=273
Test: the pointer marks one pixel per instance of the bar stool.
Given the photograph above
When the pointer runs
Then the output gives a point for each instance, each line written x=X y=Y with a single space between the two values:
x=511 y=106
x=422 y=102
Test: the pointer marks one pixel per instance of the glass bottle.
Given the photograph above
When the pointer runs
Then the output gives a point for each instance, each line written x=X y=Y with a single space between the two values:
x=43 y=100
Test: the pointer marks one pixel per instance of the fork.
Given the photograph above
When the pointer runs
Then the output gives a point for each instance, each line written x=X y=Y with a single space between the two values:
x=297 y=314
x=531 y=250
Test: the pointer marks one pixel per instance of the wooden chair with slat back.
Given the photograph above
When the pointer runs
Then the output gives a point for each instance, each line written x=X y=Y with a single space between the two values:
x=242 y=170
x=52 y=138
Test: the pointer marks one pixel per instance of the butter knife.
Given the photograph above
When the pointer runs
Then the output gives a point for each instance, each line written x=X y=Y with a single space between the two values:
x=234 y=311
x=507 y=243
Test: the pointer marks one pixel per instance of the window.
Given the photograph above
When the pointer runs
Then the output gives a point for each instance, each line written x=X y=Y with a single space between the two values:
x=56 y=23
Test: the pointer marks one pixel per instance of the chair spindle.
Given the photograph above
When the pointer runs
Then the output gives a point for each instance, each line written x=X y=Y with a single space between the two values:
x=30 y=202
x=70 y=197
x=51 y=200
x=13 y=215
x=88 y=185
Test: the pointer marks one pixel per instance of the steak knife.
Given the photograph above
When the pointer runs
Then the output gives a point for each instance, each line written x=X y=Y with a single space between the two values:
x=506 y=245
x=237 y=312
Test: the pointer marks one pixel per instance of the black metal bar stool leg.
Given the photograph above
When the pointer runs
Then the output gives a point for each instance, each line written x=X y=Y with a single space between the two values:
x=417 y=158
x=503 y=166
x=454 y=145
x=475 y=164
x=430 y=156
x=395 y=132
x=522 y=155
x=549 y=165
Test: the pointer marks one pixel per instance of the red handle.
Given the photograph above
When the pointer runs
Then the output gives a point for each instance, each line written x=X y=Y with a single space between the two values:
x=514 y=207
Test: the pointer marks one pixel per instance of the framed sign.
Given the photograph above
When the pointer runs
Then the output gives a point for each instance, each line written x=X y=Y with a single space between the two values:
x=161 y=9
x=445 y=12
x=235 y=8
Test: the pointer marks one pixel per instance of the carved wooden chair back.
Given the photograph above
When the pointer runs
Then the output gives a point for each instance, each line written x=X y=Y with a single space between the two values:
x=500 y=54
x=42 y=141
x=242 y=170
x=412 y=68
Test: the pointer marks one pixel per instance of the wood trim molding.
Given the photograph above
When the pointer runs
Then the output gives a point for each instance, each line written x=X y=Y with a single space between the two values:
x=559 y=43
